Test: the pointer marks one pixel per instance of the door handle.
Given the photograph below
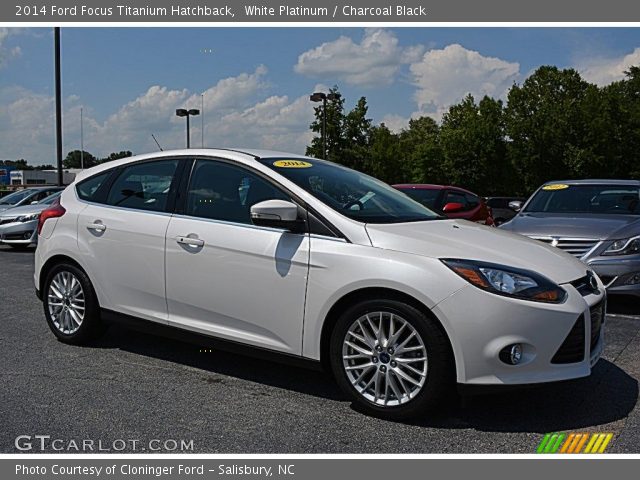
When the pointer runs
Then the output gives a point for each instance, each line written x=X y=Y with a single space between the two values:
x=98 y=227
x=193 y=242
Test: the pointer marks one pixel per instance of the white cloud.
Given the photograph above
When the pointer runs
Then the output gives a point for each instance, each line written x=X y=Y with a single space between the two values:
x=7 y=53
x=443 y=77
x=372 y=62
x=395 y=123
x=603 y=71
x=235 y=115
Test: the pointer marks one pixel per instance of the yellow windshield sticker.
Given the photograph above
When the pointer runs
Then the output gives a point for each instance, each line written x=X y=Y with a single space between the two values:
x=292 y=164
x=555 y=186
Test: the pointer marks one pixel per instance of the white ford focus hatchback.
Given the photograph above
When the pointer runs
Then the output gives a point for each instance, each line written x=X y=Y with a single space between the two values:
x=316 y=262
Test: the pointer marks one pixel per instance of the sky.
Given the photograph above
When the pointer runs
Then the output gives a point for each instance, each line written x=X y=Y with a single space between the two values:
x=255 y=82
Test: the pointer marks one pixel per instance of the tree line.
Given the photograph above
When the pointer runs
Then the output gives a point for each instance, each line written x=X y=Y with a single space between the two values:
x=74 y=159
x=553 y=126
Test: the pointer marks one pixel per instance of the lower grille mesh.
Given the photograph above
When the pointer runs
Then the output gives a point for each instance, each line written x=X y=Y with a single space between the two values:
x=572 y=349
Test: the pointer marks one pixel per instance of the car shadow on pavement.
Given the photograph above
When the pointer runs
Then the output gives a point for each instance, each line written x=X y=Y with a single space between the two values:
x=608 y=395
x=218 y=362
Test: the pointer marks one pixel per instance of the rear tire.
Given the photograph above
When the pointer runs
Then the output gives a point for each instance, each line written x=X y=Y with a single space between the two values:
x=405 y=386
x=71 y=306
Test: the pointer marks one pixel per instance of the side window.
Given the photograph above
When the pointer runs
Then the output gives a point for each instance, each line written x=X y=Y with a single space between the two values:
x=220 y=191
x=143 y=186
x=472 y=201
x=87 y=189
x=456 y=197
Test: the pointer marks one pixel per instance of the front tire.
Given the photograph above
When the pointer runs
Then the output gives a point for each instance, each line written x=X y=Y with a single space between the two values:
x=71 y=306
x=392 y=360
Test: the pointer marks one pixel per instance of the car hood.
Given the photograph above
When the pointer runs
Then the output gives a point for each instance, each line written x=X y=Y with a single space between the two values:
x=601 y=227
x=24 y=210
x=468 y=240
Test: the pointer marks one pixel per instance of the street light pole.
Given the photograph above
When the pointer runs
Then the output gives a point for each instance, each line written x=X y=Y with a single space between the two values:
x=81 y=140
x=183 y=112
x=56 y=42
x=323 y=97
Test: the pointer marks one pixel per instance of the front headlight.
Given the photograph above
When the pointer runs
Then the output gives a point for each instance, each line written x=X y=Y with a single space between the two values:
x=507 y=281
x=627 y=246
x=28 y=218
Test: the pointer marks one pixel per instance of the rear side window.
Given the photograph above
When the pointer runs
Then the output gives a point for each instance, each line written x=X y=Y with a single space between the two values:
x=143 y=186
x=87 y=188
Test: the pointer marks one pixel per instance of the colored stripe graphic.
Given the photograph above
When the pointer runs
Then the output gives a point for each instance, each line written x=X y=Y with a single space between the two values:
x=551 y=443
x=574 y=443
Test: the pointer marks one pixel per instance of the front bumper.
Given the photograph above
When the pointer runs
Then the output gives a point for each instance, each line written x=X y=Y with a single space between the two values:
x=478 y=334
x=19 y=233
x=620 y=275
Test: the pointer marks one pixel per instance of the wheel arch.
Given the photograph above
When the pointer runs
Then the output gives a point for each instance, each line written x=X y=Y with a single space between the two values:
x=371 y=293
x=51 y=263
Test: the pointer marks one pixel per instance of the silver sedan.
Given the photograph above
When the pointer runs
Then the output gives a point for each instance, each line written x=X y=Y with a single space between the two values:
x=18 y=225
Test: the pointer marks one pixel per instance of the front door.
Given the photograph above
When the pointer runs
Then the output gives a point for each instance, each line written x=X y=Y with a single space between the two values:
x=228 y=277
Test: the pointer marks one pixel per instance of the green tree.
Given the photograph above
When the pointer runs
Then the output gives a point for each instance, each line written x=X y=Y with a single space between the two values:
x=474 y=146
x=385 y=158
x=72 y=160
x=335 y=120
x=356 y=135
x=420 y=144
x=116 y=156
x=547 y=126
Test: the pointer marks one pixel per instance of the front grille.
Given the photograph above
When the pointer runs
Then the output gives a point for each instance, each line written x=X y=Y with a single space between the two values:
x=572 y=349
x=597 y=320
x=582 y=285
x=577 y=247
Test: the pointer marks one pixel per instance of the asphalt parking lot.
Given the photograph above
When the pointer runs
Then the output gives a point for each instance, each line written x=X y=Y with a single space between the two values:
x=136 y=386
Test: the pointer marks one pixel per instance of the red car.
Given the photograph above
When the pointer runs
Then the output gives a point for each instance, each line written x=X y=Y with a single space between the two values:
x=454 y=202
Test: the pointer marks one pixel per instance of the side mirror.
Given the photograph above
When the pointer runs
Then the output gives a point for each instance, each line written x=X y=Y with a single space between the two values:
x=516 y=205
x=452 y=207
x=277 y=214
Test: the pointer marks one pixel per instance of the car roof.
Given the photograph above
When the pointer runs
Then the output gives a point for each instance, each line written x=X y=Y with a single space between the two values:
x=595 y=181
x=244 y=153
x=43 y=187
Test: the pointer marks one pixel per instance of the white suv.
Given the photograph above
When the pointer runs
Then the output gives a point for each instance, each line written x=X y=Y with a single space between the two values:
x=313 y=261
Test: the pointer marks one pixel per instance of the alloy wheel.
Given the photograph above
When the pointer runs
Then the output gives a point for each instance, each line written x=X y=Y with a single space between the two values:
x=385 y=358
x=66 y=302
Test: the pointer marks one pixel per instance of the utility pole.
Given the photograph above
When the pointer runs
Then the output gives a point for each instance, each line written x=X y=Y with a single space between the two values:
x=81 y=140
x=56 y=32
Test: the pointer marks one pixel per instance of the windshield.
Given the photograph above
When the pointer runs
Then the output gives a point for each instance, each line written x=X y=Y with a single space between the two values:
x=598 y=199
x=351 y=193
x=15 y=197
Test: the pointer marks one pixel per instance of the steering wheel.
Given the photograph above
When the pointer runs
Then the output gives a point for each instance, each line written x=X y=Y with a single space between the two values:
x=348 y=205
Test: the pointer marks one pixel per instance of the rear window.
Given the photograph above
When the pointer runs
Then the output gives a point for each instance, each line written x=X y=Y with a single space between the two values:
x=87 y=188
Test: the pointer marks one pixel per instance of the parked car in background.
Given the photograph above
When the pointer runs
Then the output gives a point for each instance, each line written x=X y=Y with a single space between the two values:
x=597 y=221
x=454 y=202
x=19 y=225
x=319 y=262
x=500 y=209
x=27 y=196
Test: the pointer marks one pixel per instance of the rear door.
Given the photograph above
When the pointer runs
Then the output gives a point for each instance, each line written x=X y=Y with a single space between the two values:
x=227 y=277
x=122 y=238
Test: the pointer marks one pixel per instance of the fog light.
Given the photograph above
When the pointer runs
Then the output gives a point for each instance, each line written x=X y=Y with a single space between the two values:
x=511 y=354
x=27 y=235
